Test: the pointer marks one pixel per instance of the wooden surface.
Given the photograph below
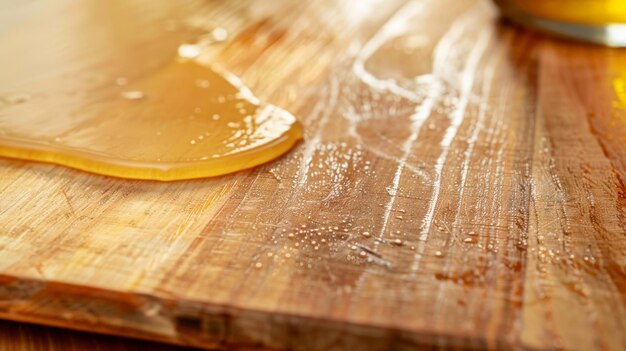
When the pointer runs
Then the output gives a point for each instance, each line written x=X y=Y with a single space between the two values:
x=29 y=337
x=461 y=185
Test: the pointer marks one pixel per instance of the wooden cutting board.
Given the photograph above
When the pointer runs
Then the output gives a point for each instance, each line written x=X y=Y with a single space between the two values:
x=17 y=336
x=461 y=183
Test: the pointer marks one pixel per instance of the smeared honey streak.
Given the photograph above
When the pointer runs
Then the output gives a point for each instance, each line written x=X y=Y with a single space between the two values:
x=443 y=50
x=458 y=116
x=392 y=29
x=442 y=53
x=309 y=150
x=478 y=127
x=395 y=27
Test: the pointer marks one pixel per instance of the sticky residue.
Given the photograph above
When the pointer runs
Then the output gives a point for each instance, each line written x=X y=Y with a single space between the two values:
x=161 y=127
x=151 y=104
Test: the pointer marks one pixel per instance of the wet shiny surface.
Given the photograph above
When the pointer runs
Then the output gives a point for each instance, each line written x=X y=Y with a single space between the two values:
x=460 y=186
x=165 y=115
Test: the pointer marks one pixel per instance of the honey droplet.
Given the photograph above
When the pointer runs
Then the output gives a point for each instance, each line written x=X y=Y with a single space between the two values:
x=133 y=95
x=189 y=51
x=219 y=34
x=203 y=83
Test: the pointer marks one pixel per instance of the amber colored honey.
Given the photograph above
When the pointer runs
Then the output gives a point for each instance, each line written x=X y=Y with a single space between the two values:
x=131 y=89
x=185 y=120
x=595 y=12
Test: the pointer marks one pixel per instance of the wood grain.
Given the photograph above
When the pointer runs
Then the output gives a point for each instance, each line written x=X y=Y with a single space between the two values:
x=29 y=337
x=461 y=185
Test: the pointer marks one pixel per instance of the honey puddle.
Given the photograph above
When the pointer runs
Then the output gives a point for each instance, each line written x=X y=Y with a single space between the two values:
x=185 y=121
x=140 y=111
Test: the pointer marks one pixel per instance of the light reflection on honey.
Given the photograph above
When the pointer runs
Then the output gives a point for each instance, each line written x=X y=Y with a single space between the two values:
x=161 y=116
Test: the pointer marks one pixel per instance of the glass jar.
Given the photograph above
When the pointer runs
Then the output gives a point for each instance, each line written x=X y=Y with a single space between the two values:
x=597 y=21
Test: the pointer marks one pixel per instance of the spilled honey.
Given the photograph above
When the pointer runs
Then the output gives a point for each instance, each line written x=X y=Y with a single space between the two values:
x=185 y=121
x=143 y=112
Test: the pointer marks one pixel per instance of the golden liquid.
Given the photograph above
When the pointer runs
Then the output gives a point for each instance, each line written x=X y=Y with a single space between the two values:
x=185 y=121
x=594 y=12
x=129 y=107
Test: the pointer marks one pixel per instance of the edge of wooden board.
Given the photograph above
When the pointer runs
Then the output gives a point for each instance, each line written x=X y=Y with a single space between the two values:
x=197 y=323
